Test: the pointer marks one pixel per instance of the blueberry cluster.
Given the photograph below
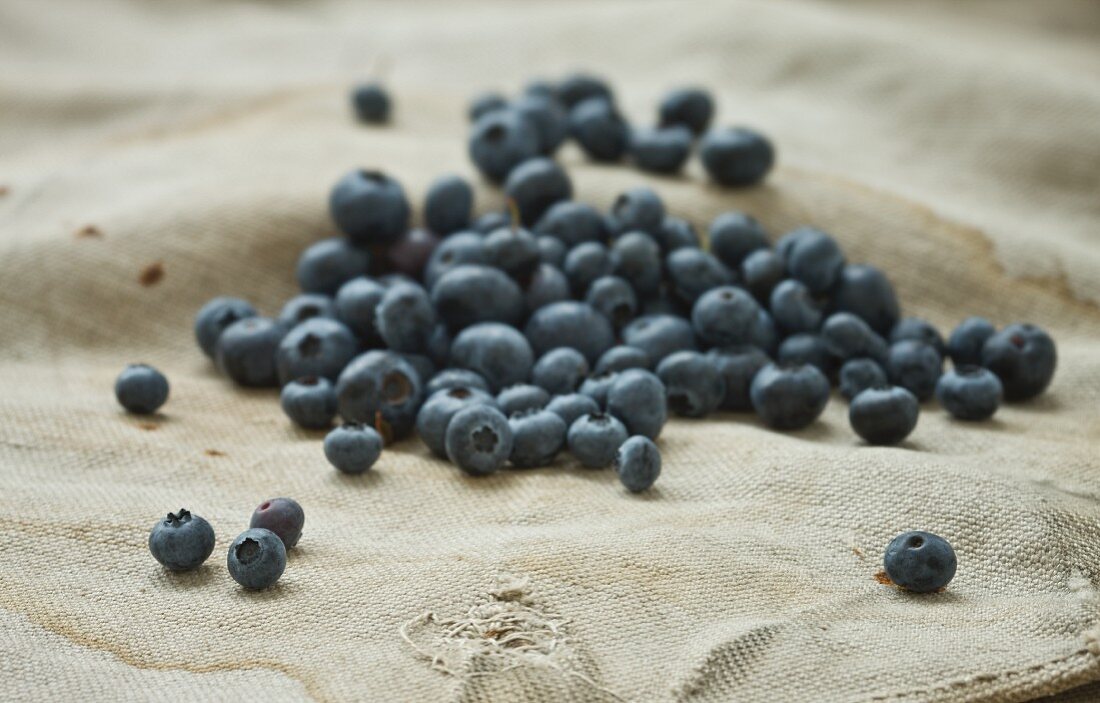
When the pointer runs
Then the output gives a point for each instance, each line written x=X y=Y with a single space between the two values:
x=257 y=557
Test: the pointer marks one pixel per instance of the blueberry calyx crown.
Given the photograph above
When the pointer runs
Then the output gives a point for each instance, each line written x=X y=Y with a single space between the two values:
x=178 y=518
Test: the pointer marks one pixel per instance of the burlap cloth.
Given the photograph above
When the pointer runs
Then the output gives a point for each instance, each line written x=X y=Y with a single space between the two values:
x=957 y=145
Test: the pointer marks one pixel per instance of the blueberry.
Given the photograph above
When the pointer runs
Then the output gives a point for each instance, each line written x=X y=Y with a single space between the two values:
x=761 y=272
x=181 y=541
x=676 y=233
x=920 y=330
x=694 y=272
x=141 y=389
x=599 y=129
x=406 y=318
x=353 y=448
x=380 y=388
x=660 y=150
x=598 y=385
x=915 y=366
x=570 y=407
x=470 y=294
x=551 y=250
x=513 y=250
x=735 y=235
x=807 y=349
x=330 y=263
x=246 y=351
x=659 y=336
x=736 y=156
x=966 y=341
x=794 y=308
x=537 y=437
x=585 y=263
x=637 y=258
x=548 y=118
x=764 y=333
x=724 y=316
x=355 y=305
x=621 y=358
x=789 y=396
x=448 y=204
x=309 y=402
x=371 y=103
x=637 y=398
x=522 y=397
x=370 y=207
x=455 y=378
x=317 y=347
x=423 y=365
x=884 y=414
x=690 y=107
x=454 y=251
x=501 y=140
x=812 y=257
x=215 y=316
x=970 y=392
x=498 y=352
x=857 y=375
x=1023 y=357
x=920 y=562
x=547 y=285
x=848 y=337
x=305 y=306
x=638 y=464
x=614 y=298
x=257 y=558
x=695 y=387
x=570 y=324
x=535 y=185
x=637 y=210
x=479 y=439
x=541 y=88
x=492 y=221
x=867 y=292
x=412 y=251
x=594 y=439
x=578 y=87
x=560 y=371
x=572 y=223
x=738 y=365
x=436 y=413
x=283 y=516
x=484 y=104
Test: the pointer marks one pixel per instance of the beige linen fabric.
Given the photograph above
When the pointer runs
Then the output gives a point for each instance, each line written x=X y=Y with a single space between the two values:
x=956 y=145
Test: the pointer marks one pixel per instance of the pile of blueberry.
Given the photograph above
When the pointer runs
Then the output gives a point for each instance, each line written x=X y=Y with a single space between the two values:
x=510 y=337
x=256 y=558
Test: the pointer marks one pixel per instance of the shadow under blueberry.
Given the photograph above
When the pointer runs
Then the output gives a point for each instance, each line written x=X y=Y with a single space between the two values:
x=187 y=580
x=281 y=589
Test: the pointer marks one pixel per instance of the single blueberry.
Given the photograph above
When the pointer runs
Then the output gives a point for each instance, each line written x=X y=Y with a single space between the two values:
x=659 y=336
x=807 y=349
x=570 y=407
x=499 y=141
x=513 y=250
x=920 y=562
x=535 y=185
x=456 y=250
x=761 y=272
x=355 y=305
x=694 y=386
x=694 y=272
x=498 y=352
x=857 y=375
x=812 y=257
x=595 y=439
x=789 y=396
x=317 y=347
x=848 y=337
x=614 y=298
x=141 y=389
x=794 y=308
x=181 y=541
x=455 y=378
x=572 y=223
x=966 y=341
x=738 y=365
x=551 y=250
x=866 y=291
x=371 y=103
x=246 y=351
x=638 y=464
x=884 y=415
x=215 y=316
x=735 y=235
x=330 y=263
x=560 y=371
x=537 y=437
x=676 y=233
x=621 y=358
x=370 y=207
x=602 y=133
x=764 y=333
x=283 y=516
x=570 y=324
x=660 y=150
x=479 y=439
x=522 y=397
x=970 y=392
x=578 y=87
x=585 y=263
x=436 y=413
x=309 y=402
x=484 y=104
x=920 y=330
x=736 y=156
x=915 y=366
x=353 y=448
x=637 y=398
x=548 y=117
x=257 y=558
x=448 y=204
x=305 y=306
x=1023 y=357
x=690 y=107
x=412 y=251
x=637 y=259
x=381 y=389
x=724 y=316
x=598 y=385
x=547 y=285
x=469 y=294
x=406 y=318
x=637 y=210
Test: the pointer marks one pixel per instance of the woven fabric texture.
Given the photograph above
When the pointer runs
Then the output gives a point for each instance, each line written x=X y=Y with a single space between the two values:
x=153 y=155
